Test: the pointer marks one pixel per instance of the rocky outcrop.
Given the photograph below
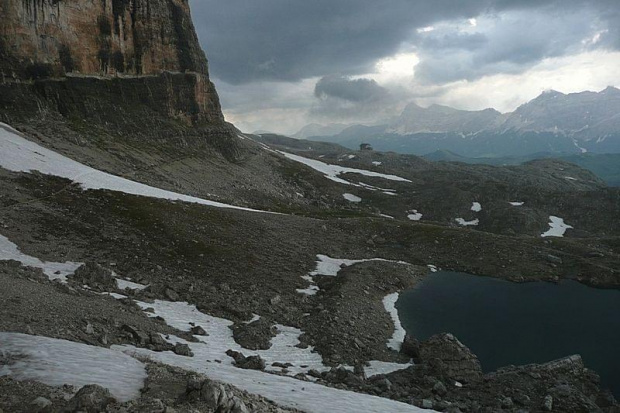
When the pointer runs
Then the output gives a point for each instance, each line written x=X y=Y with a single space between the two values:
x=451 y=357
x=90 y=399
x=256 y=335
x=60 y=39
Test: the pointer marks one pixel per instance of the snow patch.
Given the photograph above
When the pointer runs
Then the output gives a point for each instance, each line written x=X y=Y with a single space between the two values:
x=116 y=296
x=377 y=163
x=124 y=284
x=255 y=317
x=389 y=303
x=517 y=204
x=331 y=266
x=432 y=267
x=57 y=362
x=352 y=198
x=18 y=154
x=312 y=290
x=376 y=188
x=383 y=367
x=465 y=223
x=333 y=171
x=476 y=207
x=53 y=270
x=327 y=266
x=386 y=216
x=557 y=227
x=414 y=215
x=570 y=178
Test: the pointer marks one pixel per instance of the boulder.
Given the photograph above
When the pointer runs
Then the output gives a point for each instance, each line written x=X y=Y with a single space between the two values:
x=182 y=350
x=97 y=277
x=217 y=397
x=198 y=331
x=256 y=335
x=451 y=358
x=248 y=363
x=90 y=399
x=411 y=347
x=41 y=405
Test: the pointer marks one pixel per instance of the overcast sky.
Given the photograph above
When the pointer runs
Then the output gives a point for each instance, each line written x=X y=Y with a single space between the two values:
x=281 y=64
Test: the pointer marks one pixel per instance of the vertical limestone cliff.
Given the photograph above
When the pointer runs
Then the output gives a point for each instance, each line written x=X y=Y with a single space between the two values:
x=130 y=40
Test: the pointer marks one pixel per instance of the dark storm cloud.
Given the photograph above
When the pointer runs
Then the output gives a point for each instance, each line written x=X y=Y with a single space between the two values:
x=511 y=43
x=288 y=40
x=352 y=90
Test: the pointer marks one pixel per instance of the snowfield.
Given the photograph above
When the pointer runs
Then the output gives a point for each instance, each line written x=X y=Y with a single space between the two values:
x=557 y=227
x=18 y=154
x=476 y=207
x=57 y=362
x=333 y=171
x=53 y=270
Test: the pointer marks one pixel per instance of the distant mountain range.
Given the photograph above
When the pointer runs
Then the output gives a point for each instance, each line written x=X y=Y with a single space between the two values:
x=552 y=123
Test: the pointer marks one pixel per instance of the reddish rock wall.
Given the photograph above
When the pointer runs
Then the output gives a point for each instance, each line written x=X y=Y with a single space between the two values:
x=41 y=39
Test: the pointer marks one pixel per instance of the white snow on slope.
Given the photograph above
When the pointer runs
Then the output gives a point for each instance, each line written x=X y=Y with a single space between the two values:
x=465 y=223
x=557 y=227
x=220 y=338
x=284 y=390
x=517 y=204
x=386 y=191
x=57 y=362
x=53 y=270
x=414 y=215
x=383 y=367
x=18 y=154
x=333 y=171
x=330 y=267
x=476 y=207
x=327 y=266
x=376 y=163
x=389 y=302
x=352 y=198
x=124 y=284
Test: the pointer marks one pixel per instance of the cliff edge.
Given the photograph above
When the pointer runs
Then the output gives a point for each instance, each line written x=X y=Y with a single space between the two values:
x=145 y=43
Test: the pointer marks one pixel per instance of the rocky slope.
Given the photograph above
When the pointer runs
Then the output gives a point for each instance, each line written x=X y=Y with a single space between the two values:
x=114 y=283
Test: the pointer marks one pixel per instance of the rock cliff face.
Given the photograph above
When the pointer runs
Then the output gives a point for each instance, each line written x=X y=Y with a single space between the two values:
x=43 y=39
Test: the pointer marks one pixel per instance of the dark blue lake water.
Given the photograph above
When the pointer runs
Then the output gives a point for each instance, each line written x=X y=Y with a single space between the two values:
x=505 y=323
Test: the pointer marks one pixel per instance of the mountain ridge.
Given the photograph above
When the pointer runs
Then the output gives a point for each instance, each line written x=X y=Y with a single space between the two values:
x=552 y=122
